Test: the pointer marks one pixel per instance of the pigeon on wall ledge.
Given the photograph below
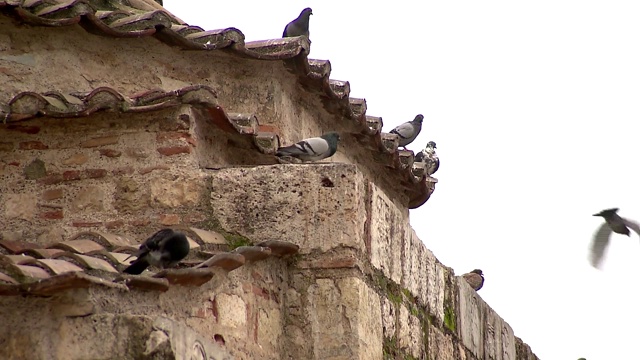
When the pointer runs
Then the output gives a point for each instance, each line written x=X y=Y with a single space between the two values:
x=312 y=149
x=475 y=278
x=430 y=158
x=407 y=132
x=163 y=249
x=613 y=223
x=299 y=26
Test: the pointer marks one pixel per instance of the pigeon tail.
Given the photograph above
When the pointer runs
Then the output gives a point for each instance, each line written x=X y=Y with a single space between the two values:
x=137 y=267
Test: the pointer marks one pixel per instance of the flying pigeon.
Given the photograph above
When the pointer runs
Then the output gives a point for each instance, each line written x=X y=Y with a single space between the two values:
x=299 y=26
x=312 y=149
x=162 y=249
x=429 y=157
x=408 y=131
x=475 y=279
x=615 y=223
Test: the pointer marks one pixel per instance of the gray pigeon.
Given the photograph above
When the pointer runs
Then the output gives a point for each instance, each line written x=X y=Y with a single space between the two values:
x=475 y=279
x=429 y=157
x=408 y=131
x=613 y=223
x=299 y=26
x=312 y=149
x=162 y=249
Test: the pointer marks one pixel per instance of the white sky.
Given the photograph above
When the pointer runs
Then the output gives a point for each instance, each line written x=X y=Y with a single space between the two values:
x=534 y=107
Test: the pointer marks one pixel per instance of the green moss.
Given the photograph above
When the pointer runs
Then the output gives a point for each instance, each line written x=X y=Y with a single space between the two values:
x=450 y=319
x=233 y=239
x=407 y=294
x=236 y=240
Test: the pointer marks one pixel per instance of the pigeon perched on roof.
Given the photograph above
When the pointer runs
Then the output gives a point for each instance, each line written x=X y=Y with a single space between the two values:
x=312 y=149
x=429 y=157
x=299 y=26
x=475 y=279
x=163 y=249
x=613 y=223
x=408 y=131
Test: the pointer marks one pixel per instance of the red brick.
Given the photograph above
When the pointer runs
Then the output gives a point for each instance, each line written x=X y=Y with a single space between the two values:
x=114 y=224
x=169 y=219
x=70 y=175
x=24 y=129
x=112 y=153
x=51 y=179
x=100 y=141
x=175 y=135
x=14 y=163
x=149 y=169
x=32 y=145
x=194 y=218
x=125 y=170
x=140 y=222
x=95 y=173
x=6 y=146
x=52 y=215
x=174 y=150
x=86 y=223
x=52 y=194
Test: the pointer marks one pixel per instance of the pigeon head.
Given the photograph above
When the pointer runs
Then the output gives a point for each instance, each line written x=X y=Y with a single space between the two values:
x=332 y=138
x=418 y=118
x=305 y=14
x=607 y=212
x=477 y=271
x=431 y=144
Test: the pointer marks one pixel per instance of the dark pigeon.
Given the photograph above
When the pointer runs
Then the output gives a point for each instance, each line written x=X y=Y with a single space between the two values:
x=475 y=279
x=163 y=249
x=299 y=26
x=312 y=149
x=429 y=157
x=613 y=223
x=408 y=131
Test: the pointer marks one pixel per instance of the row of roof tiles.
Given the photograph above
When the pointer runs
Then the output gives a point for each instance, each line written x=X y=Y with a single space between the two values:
x=146 y=18
x=97 y=258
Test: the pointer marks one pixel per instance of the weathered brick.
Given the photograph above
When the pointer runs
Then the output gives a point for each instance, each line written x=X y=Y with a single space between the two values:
x=114 y=224
x=95 y=173
x=6 y=146
x=76 y=159
x=137 y=153
x=182 y=122
x=194 y=218
x=51 y=179
x=27 y=129
x=52 y=215
x=125 y=170
x=169 y=219
x=174 y=150
x=52 y=194
x=175 y=135
x=149 y=169
x=139 y=222
x=70 y=175
x=14 y=163
x=112 y=153
x=86 y=223
x=100 y=141
x=32 y=145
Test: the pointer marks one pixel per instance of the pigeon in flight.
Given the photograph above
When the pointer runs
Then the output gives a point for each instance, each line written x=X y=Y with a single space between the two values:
x=299 y=26
x=408 y=131
x=312 y=149
x=613 y=223
x=475 y=279
x=162 y=249
x=429 y=157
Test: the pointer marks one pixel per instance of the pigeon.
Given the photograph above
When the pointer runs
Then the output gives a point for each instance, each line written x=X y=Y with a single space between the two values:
x=299 y=26
x=408 y=131
x=162 y=249
x=475 y=279
x=429 y=157
x=312 y=149
x=615 y=223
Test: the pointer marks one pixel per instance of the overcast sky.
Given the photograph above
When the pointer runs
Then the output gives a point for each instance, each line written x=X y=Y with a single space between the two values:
x=534 y=108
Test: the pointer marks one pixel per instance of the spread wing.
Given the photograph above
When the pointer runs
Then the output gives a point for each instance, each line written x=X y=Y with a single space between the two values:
x=405 y=130
x=632 y=225
x=599 y=244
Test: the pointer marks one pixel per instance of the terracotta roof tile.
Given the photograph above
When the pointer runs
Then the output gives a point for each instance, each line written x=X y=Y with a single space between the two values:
x=30 y=272
x=70 y=280
x=42 y=253
x=253 y=253
x=7 y=279
x=280 y=248
x=206 y=237
x=91 y=262
x=58 y=267
x=78 y=246
x=227 y=261
x=118 y=20
x=144 y=283
x=18 y=259
x=104 y=239
x=15 y=247
x=186 y=277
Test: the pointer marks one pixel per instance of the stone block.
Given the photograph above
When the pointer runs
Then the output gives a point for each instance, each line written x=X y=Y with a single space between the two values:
x=172 y=192
x=389 y=226
x=291 y=203
x=410 y=333
x=269 y=327
x=89 y=198
x=415 y=267
x=435 y=287
x=21 y=206
x=389 y=318
x=470 y=319
x=232 y=311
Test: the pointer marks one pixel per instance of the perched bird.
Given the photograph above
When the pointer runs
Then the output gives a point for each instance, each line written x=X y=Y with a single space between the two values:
x=429 y=157
x=299 y=26
x=312 y=149
x=162 y=249
x=408 y=131
x=475 y=279
x=615 y=223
